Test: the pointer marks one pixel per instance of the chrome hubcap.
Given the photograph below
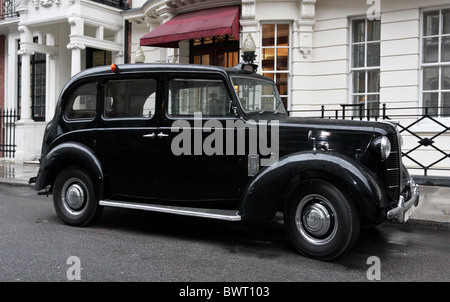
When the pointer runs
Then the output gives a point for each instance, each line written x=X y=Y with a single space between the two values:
x=316 y=220
x=75 y=196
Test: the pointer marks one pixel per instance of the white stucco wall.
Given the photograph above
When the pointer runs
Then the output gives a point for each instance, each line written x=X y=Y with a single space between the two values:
x=81 y=22
x=325 y=81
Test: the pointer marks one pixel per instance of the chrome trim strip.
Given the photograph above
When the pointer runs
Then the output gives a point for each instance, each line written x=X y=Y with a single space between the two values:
x=229 y=215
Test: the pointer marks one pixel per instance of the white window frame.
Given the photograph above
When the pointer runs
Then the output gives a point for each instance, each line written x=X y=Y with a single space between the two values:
x=288 y=71
x=423 y=65
x=366 y=68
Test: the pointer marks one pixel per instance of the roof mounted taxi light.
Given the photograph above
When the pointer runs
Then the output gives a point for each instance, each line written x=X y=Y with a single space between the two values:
x=249 y=56
x=247 y=67
x=115 y=68
x=249 y=49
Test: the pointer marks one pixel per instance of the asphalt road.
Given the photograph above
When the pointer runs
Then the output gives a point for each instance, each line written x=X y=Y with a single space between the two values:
x=129 y=245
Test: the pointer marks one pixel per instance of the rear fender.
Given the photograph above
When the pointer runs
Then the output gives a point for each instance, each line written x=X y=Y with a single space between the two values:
x=67 y=155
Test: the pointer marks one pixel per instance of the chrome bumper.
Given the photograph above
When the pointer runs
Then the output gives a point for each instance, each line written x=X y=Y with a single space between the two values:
x=404 y=208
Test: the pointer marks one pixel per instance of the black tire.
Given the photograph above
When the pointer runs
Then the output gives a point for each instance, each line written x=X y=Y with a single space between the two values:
x=74 y=198
x=320 y=220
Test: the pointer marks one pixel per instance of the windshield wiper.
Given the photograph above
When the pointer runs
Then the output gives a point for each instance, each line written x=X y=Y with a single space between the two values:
x=278 y=109
x=261 y=112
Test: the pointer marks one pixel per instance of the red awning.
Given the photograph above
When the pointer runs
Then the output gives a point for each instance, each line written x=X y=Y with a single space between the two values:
x=203 y=23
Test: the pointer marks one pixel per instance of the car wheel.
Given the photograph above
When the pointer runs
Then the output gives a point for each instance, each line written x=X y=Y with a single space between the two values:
x=320 y=220
x=74 y=197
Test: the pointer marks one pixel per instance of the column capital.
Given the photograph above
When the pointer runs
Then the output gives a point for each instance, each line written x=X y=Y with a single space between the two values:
x=75 y=45
x=25 y=52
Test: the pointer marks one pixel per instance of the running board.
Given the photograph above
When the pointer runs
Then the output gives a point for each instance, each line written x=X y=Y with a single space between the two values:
x=230 y=215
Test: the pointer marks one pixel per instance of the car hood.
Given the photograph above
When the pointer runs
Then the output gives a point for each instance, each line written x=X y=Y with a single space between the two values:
x=349 y=137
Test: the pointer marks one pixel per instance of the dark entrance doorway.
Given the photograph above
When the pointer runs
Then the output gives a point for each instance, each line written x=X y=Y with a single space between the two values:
x=218 y=51
x=97 y=57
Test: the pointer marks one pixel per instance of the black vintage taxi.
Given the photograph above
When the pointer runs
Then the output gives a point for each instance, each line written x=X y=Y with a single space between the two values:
x=217 y=143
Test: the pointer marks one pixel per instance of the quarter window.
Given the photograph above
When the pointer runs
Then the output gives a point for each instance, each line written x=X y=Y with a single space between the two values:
x=436 y=62
x=206 y=96
x=134 y=98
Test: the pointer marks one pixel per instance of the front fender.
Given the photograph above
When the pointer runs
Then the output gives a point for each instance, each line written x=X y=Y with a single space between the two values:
x=66 y=155
x=268 y=189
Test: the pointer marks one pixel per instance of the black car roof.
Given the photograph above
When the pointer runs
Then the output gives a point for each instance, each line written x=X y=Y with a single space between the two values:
x=137 y=68
x=166 y=67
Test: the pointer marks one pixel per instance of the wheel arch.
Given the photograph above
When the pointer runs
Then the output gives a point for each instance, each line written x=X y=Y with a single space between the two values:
x=269 y=190
x=70 y=154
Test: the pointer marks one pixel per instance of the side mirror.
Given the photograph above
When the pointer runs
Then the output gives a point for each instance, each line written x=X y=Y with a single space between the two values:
x=233 y=110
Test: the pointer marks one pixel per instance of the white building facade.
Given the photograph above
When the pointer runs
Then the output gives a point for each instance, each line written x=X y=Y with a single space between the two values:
x=331 y=53
x=47 y=42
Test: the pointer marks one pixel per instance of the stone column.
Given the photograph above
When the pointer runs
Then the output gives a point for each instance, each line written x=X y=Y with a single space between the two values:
x=25 y=37
x=76 y=48
x=25 y=127
x=171 y=53
x=76 y=30
x=51 y=93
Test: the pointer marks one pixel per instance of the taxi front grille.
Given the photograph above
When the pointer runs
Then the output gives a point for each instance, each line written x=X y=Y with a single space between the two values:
x=392 y=166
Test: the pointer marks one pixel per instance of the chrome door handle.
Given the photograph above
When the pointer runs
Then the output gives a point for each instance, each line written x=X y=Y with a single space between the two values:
x=151 y=135
x=160 y=135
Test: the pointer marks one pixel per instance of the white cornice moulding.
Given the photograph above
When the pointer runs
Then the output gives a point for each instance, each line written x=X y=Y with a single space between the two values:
x=39 y=48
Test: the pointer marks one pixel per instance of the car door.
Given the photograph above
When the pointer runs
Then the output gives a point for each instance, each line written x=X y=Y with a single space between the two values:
x=125 y=139
x=192 y=162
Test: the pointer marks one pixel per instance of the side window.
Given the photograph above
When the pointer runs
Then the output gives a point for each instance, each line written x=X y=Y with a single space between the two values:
x=82 y=102
x=189 y=96
x=131 y=98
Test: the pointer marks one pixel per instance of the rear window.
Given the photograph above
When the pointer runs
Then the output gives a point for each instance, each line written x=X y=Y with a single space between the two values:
x=82 y=102
x=131 y=98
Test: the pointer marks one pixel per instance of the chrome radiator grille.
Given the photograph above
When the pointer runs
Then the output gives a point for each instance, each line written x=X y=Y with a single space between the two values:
x=392 y=165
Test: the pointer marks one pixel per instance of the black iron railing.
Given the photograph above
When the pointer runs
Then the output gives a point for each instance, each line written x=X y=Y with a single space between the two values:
x=409 y=121
x=8 y=119
x=7 y=9
x=122 y=4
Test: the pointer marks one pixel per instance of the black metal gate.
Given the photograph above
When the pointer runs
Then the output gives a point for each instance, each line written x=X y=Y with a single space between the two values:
x=407 y=118
x=8 y=120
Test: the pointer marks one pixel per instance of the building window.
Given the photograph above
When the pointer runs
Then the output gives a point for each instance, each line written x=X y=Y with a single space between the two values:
x=218 y=51
x=275 y=56
x=38 y=85
x=97 y=57
x=436 y=62
x=365 y=66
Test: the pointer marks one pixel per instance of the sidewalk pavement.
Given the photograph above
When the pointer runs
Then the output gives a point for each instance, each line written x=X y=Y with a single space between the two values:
x=433 y=208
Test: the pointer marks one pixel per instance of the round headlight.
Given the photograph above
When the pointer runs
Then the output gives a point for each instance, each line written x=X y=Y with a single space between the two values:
x=385 y=147
x=382 y=146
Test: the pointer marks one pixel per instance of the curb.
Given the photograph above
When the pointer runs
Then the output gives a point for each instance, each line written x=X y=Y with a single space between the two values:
x=15 y=183
x=427 y=223
x=437 y=181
